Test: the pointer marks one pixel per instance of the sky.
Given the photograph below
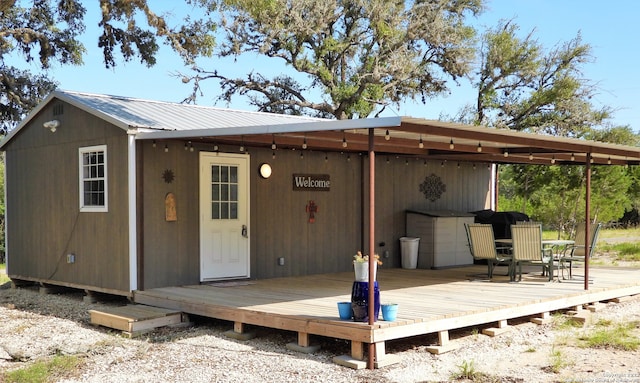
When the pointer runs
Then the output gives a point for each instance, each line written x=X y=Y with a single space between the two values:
x=610 y=27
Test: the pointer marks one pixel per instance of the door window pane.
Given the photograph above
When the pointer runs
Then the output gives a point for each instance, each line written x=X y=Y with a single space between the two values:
x=224 y=192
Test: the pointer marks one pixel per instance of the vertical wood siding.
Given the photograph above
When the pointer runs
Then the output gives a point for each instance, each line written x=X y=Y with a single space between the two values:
x=44 y=223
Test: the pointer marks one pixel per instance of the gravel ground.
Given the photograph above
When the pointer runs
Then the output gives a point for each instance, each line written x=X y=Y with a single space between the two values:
x=34 y=326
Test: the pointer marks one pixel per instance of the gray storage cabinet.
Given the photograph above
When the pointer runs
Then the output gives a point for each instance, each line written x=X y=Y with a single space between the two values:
x=443 y=240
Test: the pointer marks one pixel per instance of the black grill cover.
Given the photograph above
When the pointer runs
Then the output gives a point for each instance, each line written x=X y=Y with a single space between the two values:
x=500 y=220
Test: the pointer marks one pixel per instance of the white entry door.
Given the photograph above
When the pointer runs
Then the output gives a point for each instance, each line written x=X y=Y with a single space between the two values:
x=224 y=216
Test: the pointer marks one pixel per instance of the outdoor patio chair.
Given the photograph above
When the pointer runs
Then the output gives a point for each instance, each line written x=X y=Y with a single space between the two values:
x=576 y=252
x=528 y=249
x=482 y=245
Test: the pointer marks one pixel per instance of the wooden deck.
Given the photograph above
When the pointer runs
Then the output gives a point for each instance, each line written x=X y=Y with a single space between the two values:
x=430 y=301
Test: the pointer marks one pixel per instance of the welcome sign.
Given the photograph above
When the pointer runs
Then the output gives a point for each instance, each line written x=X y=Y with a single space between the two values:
x=316 y=182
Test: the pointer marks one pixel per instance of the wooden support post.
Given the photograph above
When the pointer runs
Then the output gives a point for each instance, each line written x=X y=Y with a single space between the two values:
x=543 y=318
x=355 y=360
x=303 y=345
x=444 y=345
x=239 y=332
x=500 y=329
x=382 y=359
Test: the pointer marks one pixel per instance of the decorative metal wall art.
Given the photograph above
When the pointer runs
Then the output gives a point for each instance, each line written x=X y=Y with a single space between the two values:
x=432 y=187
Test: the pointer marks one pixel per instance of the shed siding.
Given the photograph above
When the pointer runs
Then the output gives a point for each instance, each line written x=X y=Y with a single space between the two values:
x=398 y=190
x=279 y=225
x=43 y=219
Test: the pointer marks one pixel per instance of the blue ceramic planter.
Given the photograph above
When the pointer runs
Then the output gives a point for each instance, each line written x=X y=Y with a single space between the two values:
x=360 y=301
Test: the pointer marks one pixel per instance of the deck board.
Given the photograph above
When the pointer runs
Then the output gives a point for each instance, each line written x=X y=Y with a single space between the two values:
x=429 y=300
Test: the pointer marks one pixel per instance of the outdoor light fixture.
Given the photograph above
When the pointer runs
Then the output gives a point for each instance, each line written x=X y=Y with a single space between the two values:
x=387 y=136
x=51 y=125
x=344 y=140
x=265 y=170
x=153 y=143
x=273 y=143
x=186 y=146
x=530 y=157
x=421 y=144
x=505 y=153
x=166 y=148
x=573 y=158
x=609 y=161
x=190 y=146
x=215 y=147
x=451 y=146
x=553 y=159
x=304 y=143
x=479 y=149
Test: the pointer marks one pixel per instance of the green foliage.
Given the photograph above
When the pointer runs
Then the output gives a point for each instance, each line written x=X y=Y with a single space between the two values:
x=522 y=87
x=558 y=361
x=466 y=370
x=44 y=371
x=622 y=336
x=47 y=32
x=359 y=55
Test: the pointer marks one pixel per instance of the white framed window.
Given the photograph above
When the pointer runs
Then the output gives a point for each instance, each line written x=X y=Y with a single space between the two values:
x=93 y=178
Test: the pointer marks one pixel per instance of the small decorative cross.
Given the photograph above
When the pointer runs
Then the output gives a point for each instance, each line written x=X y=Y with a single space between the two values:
x=312 y=209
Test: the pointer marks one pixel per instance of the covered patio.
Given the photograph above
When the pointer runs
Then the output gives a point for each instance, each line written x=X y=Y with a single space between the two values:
x=420 y=139
x=430 y=302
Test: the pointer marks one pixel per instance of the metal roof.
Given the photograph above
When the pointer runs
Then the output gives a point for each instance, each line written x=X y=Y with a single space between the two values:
x=408 y=136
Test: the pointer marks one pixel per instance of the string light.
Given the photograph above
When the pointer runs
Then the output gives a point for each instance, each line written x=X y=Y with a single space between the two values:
x=421 y=144
x=273 y=143
x=573 y=158
x=304 y=143
x=609 y=160
x=451 y=145
x=190 y=146
x=166 y=148
x=154 y=143
x=344 y=140
x=186 y=146
x=505 y=153
x=530 y=156
x=553 y=159
x=387 y=136
x=479 y=149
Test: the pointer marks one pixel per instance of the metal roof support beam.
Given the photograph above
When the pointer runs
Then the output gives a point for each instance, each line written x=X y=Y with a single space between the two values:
x=587 y=221
x=372 y=241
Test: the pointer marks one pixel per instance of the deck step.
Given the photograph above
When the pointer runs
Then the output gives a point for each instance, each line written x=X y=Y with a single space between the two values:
x=134 y=320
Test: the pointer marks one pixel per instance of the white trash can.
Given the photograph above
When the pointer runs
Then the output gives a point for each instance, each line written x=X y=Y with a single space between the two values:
x=409 y=252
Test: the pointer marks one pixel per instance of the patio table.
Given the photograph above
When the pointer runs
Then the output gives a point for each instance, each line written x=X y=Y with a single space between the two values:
x=555 y=244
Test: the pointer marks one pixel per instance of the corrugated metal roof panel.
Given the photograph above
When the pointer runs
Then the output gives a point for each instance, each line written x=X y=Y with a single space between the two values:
x=159 y=115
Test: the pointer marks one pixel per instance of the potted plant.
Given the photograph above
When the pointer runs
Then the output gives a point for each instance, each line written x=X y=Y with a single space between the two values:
x=361 y=285
x=361 y=266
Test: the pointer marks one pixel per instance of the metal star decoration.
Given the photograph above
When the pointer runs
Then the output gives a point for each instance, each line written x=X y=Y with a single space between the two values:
x=168 y=176
x=432 y=187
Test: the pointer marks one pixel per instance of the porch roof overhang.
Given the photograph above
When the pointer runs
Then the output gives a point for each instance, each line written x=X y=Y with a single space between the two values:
x=415 y=137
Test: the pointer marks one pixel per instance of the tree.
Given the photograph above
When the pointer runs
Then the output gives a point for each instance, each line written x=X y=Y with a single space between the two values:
x=47 y=32
x=361 y=55
x=522 y=87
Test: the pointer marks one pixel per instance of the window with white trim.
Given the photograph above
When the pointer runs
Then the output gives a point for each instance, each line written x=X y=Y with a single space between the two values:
x=93 y=178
